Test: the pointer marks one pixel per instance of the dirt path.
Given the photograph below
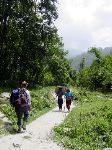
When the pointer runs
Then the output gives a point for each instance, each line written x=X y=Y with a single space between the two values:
x=37 y=135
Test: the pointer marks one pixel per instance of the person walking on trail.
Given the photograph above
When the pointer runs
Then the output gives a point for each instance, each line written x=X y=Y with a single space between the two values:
x=59 y=94
x=69 y=98
x=20 y=99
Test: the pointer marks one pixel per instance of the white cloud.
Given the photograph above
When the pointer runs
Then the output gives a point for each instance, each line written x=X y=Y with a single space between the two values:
x=103 y=37
x=85 y=23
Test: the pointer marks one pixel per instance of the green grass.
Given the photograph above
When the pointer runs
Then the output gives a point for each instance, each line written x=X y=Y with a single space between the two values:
x=89 y=125
x=1 y=122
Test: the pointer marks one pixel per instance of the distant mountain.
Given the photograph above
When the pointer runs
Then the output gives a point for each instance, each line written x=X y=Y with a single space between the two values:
x=89 y=58
x=107 y=51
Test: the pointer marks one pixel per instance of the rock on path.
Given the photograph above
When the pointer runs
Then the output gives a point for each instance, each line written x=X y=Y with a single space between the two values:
x=37 y=135
x=5 y=95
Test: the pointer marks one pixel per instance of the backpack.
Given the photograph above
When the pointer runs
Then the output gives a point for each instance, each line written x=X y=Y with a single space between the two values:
x=19 y=98
x=14 y=96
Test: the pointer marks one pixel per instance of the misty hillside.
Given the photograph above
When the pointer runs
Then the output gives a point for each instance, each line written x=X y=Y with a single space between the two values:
x=89 y=58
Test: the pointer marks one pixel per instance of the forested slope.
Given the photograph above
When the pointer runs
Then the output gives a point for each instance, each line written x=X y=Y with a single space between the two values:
x=89 y=58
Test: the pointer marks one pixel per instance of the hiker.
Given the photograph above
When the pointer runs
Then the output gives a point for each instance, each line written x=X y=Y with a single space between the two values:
x=20 y=99
x=69 y=98
x=59 y=94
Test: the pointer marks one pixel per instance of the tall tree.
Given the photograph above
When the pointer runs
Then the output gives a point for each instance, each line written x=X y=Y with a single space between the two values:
x=95 y=51
x=29 y=41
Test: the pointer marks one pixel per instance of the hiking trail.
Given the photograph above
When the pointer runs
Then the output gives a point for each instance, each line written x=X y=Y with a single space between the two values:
x=37 y=136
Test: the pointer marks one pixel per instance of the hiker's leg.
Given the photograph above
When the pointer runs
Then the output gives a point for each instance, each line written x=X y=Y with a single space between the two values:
x=68 y=107
x=19 y=117
x=67 y=104
x=25 y=118
x=60 y=102
x=59 y=106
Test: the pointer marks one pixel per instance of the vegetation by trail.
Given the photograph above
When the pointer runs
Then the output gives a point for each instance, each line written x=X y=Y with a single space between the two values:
x=88 y=126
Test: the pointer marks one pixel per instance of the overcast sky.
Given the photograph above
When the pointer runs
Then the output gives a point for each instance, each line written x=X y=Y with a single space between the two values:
x=84 y=23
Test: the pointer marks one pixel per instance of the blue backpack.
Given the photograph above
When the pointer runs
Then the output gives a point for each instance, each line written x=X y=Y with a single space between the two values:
x=14 y=96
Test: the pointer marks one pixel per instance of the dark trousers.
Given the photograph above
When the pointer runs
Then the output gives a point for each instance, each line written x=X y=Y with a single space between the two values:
x=21 y=113
x=60 y=103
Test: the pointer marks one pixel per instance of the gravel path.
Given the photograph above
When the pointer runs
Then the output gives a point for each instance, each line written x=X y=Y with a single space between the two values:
x=37 y=135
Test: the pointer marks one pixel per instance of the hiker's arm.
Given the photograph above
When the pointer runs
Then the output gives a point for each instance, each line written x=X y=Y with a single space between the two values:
x=11 y=100
x=29 y=100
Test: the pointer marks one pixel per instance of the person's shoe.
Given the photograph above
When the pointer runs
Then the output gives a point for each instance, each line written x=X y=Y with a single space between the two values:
x=19 y=129
x=68 y=110
x=24 y=125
